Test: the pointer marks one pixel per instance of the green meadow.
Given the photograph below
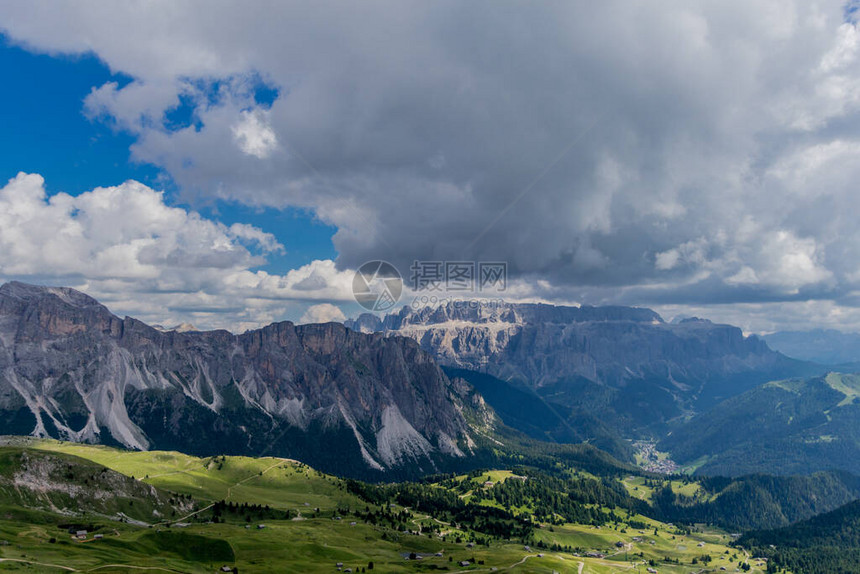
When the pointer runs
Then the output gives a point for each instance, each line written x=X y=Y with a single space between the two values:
x=287 y=517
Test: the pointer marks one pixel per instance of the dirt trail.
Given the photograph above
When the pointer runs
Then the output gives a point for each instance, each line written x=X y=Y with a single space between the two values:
x=229 y=493
x=134 y=567
x=68 y=568
x=244 y=480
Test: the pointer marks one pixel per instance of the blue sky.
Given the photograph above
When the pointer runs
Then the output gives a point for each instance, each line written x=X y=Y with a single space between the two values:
x=45 y=128
x=47 y=132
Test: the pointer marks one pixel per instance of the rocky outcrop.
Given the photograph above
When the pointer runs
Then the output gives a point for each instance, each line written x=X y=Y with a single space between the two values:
x=334 y=397
x=74 y=487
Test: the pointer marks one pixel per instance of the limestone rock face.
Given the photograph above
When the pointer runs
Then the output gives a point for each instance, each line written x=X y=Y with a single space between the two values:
x=71 y=369
x=624 y=362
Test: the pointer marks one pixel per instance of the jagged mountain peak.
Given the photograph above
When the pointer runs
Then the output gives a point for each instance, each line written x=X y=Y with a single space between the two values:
x=499 y=314
x=519 y=313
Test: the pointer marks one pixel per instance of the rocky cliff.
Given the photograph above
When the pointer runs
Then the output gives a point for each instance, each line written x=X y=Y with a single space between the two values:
x=333 y=397
x=621 y=363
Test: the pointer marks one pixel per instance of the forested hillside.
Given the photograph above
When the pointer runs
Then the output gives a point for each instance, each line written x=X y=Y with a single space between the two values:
x=825 y=544
x=795 y=426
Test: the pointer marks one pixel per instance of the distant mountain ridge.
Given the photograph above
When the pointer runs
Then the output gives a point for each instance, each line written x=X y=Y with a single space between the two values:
x=826 y=346
x=339 y=399
x=623 y=364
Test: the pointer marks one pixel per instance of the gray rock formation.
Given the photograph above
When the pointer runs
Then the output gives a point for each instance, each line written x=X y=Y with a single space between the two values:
x=328 y=395
x=624 y=362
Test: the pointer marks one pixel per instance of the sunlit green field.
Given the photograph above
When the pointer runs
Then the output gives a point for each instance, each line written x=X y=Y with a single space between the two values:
x=639 y=546
x=637 y=488
x=313 y=539
x=279 y=483
x=314 y=545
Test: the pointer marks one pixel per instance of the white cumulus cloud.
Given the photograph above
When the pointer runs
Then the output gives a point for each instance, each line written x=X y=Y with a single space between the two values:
x=254 y=136
x=162 y=264
x=323 y=313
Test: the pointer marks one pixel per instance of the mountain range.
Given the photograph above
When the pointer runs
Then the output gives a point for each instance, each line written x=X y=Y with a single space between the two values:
x=825 y=346
x=621 y=370
x=419 y=391
x=360 y=403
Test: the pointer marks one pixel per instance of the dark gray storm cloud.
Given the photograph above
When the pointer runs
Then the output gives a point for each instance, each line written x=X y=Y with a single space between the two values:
x=655 y=153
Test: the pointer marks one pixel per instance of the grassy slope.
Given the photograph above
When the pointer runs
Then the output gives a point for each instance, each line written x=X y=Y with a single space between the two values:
x=637 y=488
x=282 y=484
x=60 y=482
x=306 y=545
